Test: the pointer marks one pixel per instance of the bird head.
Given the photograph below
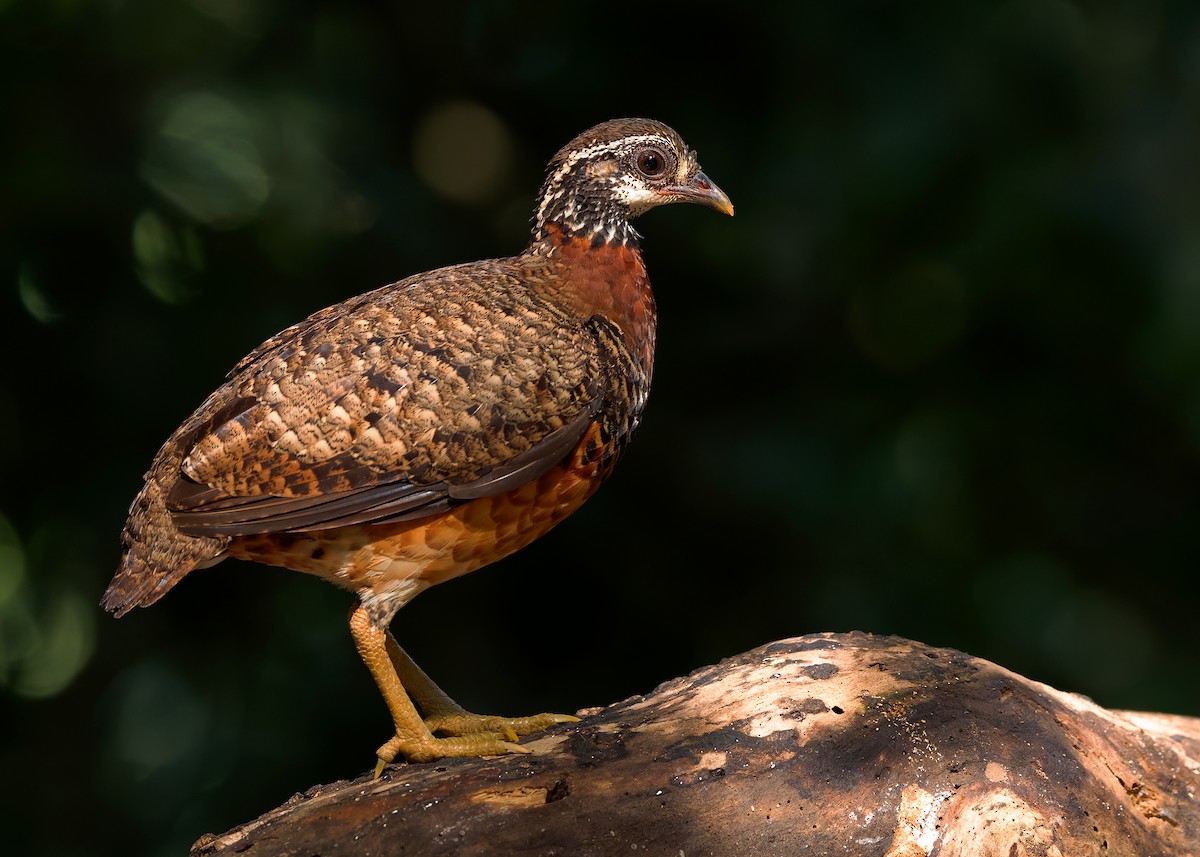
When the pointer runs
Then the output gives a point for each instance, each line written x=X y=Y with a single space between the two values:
x=614 y=172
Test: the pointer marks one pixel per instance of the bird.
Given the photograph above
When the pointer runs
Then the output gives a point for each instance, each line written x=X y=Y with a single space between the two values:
x=418 y=432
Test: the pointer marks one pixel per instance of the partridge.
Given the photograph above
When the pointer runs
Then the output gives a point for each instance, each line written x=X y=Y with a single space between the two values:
x=423 y=430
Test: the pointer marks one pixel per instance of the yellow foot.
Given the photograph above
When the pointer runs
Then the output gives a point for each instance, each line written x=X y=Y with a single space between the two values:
x=403 y=683
x=463 y=723
x=428 y=748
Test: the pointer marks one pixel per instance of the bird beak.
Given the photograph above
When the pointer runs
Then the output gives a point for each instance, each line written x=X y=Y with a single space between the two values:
x=703 y=191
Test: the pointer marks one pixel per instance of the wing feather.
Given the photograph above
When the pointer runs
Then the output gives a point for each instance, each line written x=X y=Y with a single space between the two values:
x=392 y=406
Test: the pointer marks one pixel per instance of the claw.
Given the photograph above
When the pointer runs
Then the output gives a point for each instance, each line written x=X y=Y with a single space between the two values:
x=508 y=732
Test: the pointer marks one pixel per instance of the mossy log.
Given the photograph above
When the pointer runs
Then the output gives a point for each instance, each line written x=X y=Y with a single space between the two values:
x=826 y=744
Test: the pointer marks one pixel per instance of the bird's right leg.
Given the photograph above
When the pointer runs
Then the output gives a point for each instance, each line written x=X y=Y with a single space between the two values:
x=412 y=740
x=443 y=714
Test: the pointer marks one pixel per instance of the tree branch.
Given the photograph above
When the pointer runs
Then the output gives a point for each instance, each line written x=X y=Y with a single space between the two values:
x=824 y=744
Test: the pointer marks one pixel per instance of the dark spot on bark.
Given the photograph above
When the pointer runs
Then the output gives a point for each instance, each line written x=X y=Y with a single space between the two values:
x=318 y=552
x=590 y=747
x=812 y=705
x=837 y=709
x=558 y=791
x=805 y=646
x=821 y=671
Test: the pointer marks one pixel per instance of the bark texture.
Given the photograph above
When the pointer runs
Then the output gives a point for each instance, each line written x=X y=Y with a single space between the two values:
x=828 y=744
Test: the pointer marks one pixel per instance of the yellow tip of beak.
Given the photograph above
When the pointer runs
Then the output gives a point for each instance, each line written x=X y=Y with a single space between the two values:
x=704 y=191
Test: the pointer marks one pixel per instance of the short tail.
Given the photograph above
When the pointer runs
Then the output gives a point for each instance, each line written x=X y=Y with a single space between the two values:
x=156 y=555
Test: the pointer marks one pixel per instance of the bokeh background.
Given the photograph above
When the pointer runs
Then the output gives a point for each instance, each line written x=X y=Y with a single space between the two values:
x=940 y=377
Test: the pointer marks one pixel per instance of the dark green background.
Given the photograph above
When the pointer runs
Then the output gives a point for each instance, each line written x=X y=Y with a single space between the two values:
x=940 y=377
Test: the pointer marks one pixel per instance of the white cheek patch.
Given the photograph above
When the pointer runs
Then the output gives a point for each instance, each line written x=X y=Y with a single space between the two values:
x=637 y=197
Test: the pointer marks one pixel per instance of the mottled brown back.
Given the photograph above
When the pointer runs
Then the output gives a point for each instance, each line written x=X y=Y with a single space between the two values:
x=397 y=402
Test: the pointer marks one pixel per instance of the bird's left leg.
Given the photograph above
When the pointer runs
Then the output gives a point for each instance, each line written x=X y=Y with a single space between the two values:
x=413 y=739
x=443 y=714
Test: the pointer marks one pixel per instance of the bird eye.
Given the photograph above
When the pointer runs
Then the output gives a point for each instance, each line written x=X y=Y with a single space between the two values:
x=651 y=162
